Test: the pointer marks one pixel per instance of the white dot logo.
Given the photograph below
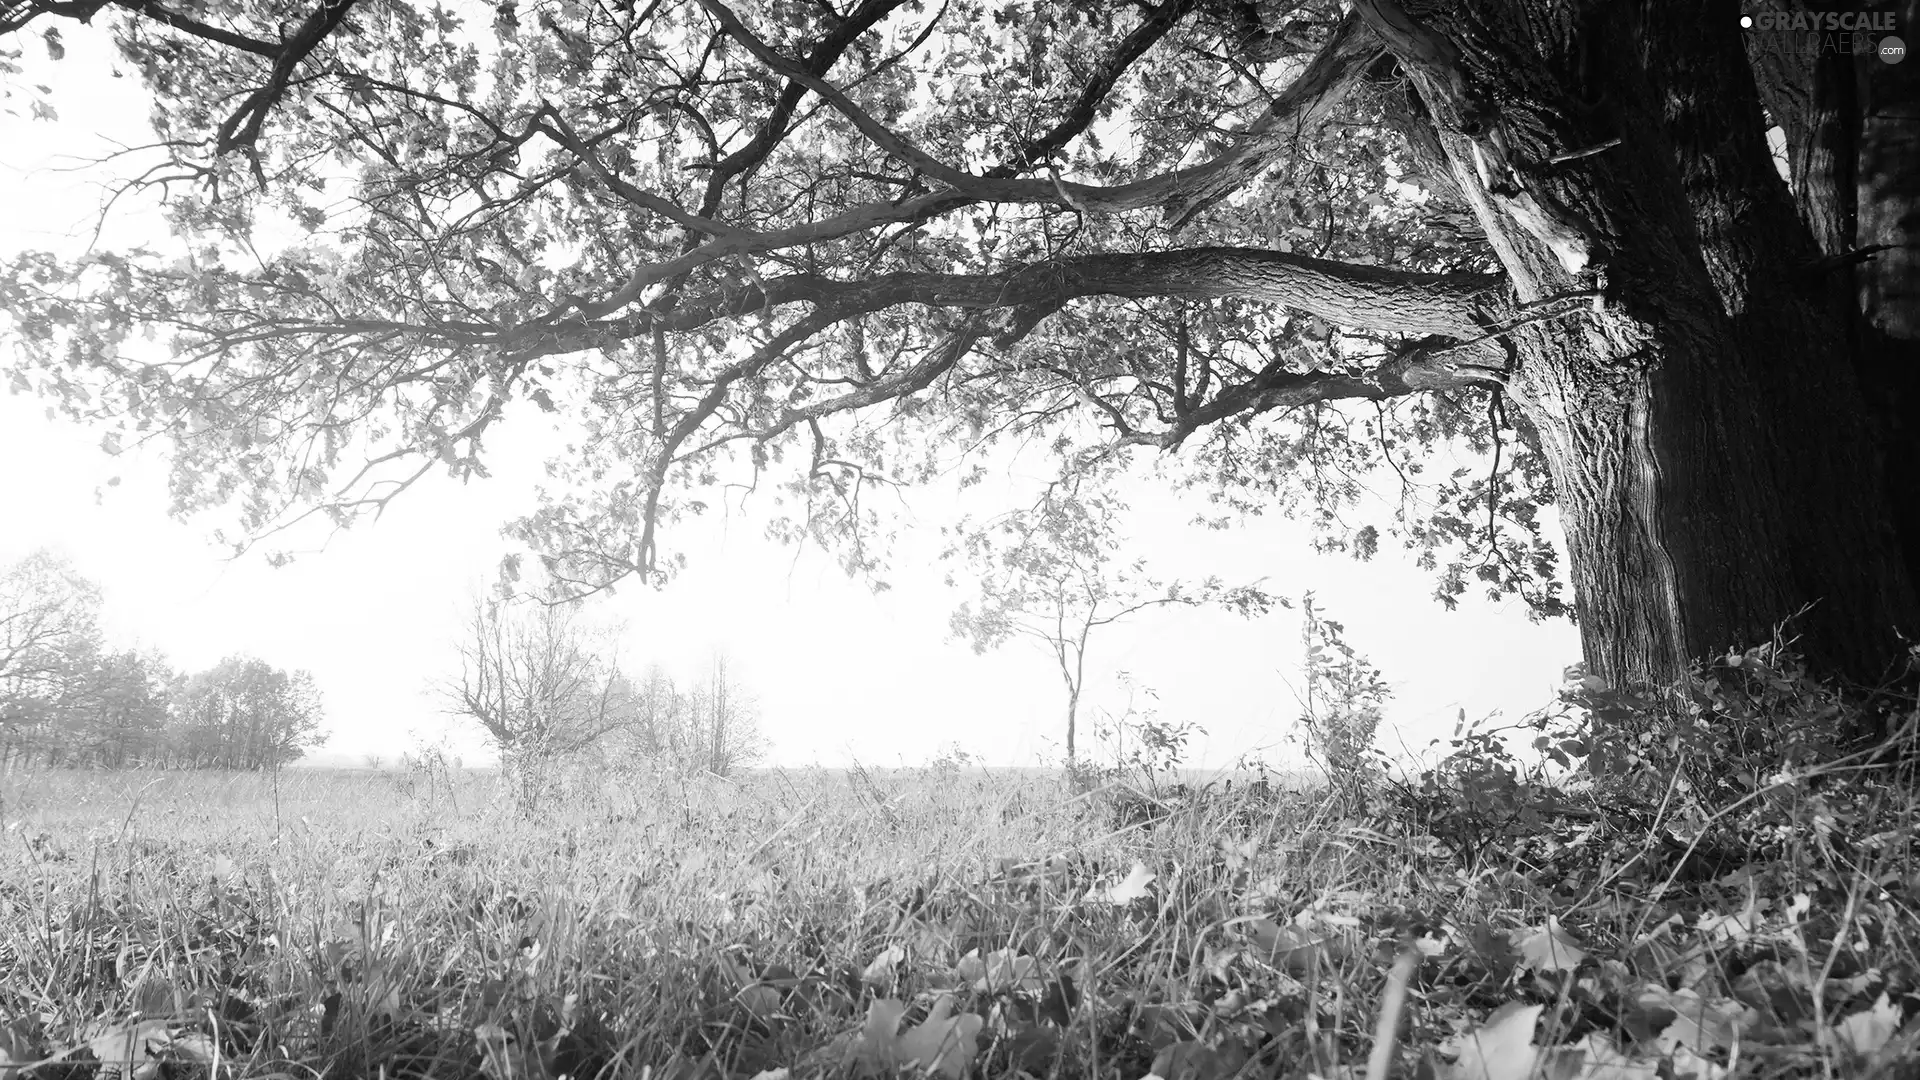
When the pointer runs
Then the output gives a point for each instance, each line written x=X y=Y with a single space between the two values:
x=1746 y=22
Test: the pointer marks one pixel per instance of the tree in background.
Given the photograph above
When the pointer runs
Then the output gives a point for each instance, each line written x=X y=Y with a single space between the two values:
x=68 y=700
x=711 y=726
x=839 y=244
x=49 y=644
x=658 y=715
x=723 y=723
x=1052 y=575
x=541 y=682
x=244 y=713
x=121 y=710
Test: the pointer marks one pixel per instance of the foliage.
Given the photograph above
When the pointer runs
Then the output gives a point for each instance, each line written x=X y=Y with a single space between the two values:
x=952 y=760
x=49 y=617
x=1343 y=700
x=734 y=248
x=1677 y=782
x=1483 y=798
x=244 y=713
x=67 y=699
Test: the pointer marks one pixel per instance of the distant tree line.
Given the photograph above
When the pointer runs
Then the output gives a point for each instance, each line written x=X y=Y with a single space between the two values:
x=66 y=699
x=546 y=687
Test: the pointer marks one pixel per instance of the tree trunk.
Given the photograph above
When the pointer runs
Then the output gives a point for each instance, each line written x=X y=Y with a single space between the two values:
x=1886 y=288
x=1701 y=414
x=1851 y=126
x=1073 y=717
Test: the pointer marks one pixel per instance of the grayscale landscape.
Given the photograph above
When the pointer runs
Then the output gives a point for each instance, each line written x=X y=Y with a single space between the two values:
x=1027 y=539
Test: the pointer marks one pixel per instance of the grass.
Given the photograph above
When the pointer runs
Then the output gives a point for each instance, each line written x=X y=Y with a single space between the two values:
x=951 y=921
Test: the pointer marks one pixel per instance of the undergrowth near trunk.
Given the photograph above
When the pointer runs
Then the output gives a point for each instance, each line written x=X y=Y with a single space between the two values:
x=1721 y=887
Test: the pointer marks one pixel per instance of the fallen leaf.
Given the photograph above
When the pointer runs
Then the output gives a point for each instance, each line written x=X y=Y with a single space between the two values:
x=135 y=1050
x=1686 y=1064
x=191 y=1048
x=760 y=1001
x=1698 y=1025
x=1548 y=948
x=503 y=1058
x=1000 y=970
x=1133 y=887
x=1288 y=948
x=883 y=972
x=1595 y=1057
x=941 y=1044
x=1866 y=1032
x=1501 y=1049
x=1776 y=991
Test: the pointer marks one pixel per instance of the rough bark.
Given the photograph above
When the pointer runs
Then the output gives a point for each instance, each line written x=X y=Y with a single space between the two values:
x=1701 y=422
x=1852 y=132
x=1886 y=287
x=1381 y=298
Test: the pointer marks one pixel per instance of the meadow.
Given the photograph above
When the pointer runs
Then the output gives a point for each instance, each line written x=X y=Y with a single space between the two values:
x=947 y=921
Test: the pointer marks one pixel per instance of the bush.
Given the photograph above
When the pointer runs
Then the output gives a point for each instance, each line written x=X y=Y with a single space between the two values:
x=1345 y=696
x=1704 y=768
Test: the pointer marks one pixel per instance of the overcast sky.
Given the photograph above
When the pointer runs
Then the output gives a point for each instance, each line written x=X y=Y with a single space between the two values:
x=841 y=673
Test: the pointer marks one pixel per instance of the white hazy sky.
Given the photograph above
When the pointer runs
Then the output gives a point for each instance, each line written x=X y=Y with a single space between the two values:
x=841 y=673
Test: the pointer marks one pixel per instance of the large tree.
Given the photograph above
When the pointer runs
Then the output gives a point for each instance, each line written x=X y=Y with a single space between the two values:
x=833 y=242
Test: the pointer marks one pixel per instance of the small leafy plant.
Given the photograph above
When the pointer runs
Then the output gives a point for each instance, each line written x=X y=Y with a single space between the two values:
x=1343 y=701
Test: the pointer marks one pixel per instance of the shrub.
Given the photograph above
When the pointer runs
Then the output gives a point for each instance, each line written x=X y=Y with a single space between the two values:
x=1344 y=699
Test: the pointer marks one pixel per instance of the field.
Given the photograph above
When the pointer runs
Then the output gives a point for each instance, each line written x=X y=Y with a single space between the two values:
x=902 y=922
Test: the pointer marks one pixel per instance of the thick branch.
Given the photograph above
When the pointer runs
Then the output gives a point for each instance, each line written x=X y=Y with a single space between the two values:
x=1301 y=107
x=1087 y=106
x=1370 y=297
x=1182 y=193
x=242 y=129
x=15 y=14
x=819 y=62
x=1416 y=370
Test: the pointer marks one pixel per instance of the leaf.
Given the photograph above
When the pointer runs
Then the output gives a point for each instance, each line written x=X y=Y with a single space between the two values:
x=999 y=971
x=1501 y=1049
x=1133 y=887
x=941 y=1044
x=1288 y=948
x=1866 y=1032
x=17 y=1040
x=882 y=973
x=760 y=1001
x=1595 y=1057
x=1548 y=948
x=502 y=1058
x=135 y=1050
x=1699 y=1025
x=192 y=1048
